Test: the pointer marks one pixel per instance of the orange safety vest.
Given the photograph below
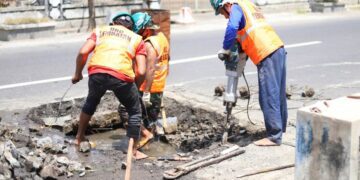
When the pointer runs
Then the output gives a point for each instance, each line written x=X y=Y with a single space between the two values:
x=115 y=49
x=161 y=46
x=258 y=39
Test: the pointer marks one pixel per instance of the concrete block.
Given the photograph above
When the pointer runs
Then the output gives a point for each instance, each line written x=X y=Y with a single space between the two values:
x=26 y=31
x=327 y=7
x=327 y=140
x=321 y=7
x=339 y=7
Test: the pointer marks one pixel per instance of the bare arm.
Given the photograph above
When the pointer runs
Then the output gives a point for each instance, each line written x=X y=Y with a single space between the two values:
x=150 y=66
x=82 y=56
x=141 y=68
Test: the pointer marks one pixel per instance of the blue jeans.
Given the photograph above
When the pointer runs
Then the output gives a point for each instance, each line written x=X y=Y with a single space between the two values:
x=272 y=93
x=125 y=92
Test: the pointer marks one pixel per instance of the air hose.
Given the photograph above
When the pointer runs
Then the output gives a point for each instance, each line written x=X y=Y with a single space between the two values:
x=247 y=106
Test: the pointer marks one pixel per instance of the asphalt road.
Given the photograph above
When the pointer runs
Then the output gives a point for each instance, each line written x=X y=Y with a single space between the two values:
x=323 y=53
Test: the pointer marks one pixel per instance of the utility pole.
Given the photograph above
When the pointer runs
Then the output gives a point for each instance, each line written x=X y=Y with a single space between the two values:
x=92 y=22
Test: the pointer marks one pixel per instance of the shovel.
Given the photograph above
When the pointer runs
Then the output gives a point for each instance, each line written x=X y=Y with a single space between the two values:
x=160 y=125
x=165 y=125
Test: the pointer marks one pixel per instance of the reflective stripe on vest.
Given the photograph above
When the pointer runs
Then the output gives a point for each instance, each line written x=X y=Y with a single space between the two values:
x=115 y=49
x=161 y=46
x=257 y=38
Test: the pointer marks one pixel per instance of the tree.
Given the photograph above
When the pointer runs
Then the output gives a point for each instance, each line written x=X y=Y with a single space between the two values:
x=92 y=22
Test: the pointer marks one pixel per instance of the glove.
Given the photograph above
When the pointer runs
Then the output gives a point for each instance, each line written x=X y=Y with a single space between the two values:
x=146 y=99
x=224 y=54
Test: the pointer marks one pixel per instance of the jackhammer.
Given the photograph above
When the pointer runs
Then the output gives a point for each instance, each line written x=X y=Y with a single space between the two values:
x=234 y=61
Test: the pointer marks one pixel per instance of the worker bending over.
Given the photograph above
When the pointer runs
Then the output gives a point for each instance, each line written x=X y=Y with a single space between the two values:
x=114 y=48
x=259 y=41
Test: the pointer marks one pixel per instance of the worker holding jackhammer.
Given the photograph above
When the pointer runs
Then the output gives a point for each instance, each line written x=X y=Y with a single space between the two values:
x=157 y=69
x=258 y=40
x=115 y=49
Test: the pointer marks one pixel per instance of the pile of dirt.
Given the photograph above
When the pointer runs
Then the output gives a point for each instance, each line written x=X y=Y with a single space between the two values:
x=197 y=127
x=65 y=115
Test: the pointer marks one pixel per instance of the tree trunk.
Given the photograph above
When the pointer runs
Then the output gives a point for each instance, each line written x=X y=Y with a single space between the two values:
x=92 y=22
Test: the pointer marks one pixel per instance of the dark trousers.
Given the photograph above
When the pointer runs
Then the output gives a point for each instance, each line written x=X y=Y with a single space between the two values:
x=125 y=92
x=151 y=113
x=272 y=94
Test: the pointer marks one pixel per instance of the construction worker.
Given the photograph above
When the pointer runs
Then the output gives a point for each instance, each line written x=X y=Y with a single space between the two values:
x=157 y=65
x=114 y=48
x=259 y=41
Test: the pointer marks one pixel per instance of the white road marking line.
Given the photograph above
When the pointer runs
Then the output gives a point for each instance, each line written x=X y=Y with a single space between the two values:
x=194 y=59
x=303 y=44
x=203 y=58
x=180 y=61
x=67 y=78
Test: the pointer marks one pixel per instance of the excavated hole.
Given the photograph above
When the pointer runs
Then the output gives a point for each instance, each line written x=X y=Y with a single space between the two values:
x=197 y=128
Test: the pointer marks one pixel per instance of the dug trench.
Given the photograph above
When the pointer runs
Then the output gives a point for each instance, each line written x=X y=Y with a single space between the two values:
x=37 y=141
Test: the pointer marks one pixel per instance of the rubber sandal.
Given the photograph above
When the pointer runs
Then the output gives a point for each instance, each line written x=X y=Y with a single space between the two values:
x=144 y=142
x=144 y=156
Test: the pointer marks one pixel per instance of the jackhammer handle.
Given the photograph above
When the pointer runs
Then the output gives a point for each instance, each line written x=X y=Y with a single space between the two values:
x=223 y=56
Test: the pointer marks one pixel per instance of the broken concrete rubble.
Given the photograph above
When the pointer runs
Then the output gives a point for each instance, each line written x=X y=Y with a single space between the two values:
x=219 y=90
x=57 y=121
x=13 y=162
x=53 y=145
x=36 y=159
x=21 y=173
x=60 y=166
x=5 y=171
x=85 y=146
x=34 y=128
x=21 y=139
x=244 y=92
x=10 y=153
x=51 y=172
x=33 y=163
x=74 y=167
x=308 y=92
x=63 y=160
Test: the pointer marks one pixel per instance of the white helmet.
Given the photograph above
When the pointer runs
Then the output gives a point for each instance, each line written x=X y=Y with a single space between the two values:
x=228 y=1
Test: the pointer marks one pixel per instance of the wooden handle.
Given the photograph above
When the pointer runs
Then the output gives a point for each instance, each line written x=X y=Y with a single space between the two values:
x=129 y=158
x=163 y=114
x=265 y=170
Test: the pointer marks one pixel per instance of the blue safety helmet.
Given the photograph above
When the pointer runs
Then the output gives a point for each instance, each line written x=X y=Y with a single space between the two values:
x=143 y=20
x=216 y=4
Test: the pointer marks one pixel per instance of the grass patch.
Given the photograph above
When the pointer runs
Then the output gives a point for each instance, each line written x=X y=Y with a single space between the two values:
x=25 y=20
x=354 y=7
x=302 y=11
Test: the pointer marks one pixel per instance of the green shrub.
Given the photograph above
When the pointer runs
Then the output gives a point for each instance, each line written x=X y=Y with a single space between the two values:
x=5 y=3
x=25 y=20
x=327 y=1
